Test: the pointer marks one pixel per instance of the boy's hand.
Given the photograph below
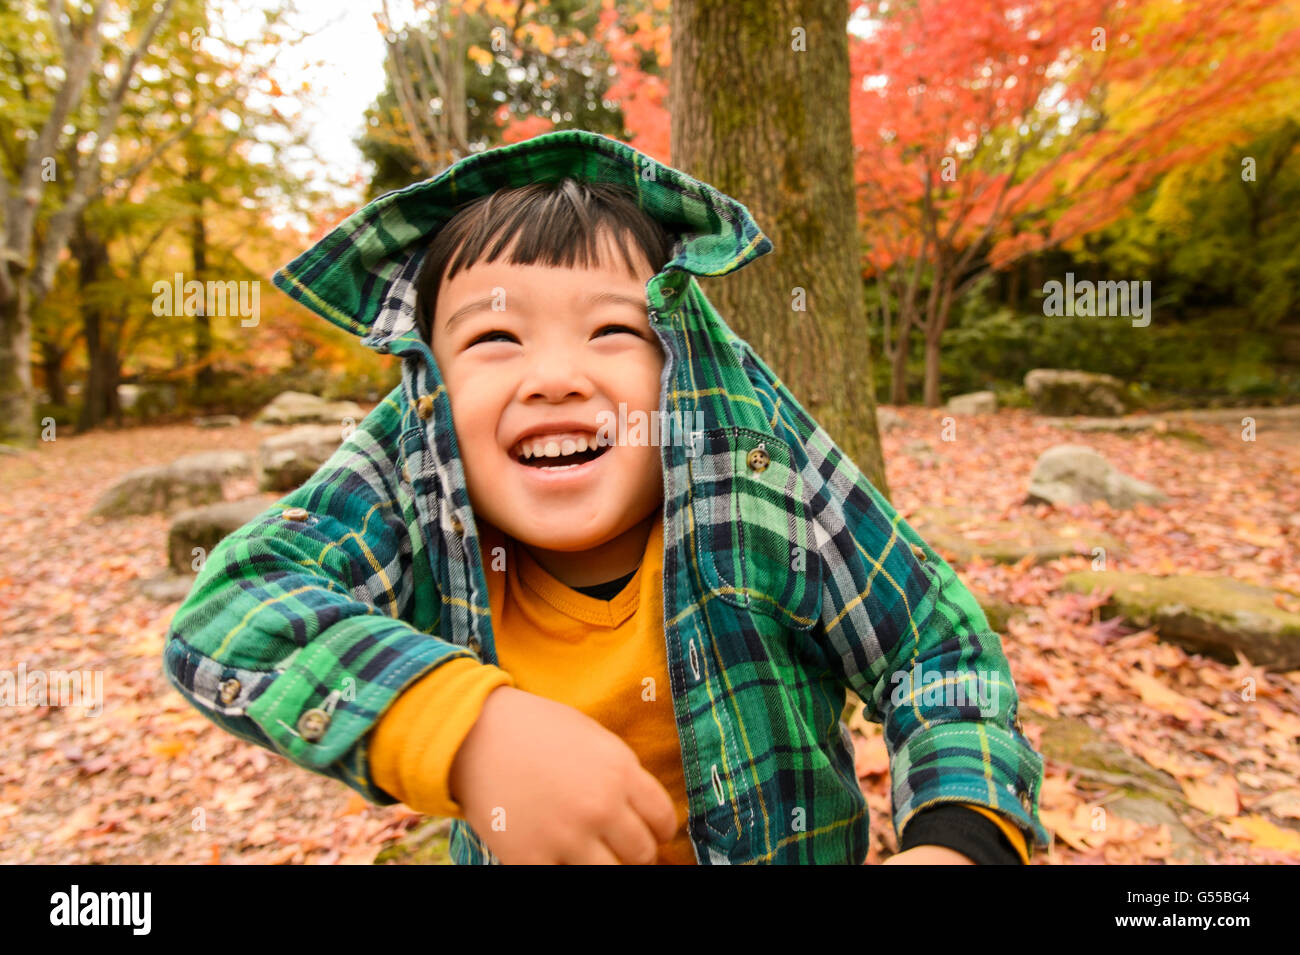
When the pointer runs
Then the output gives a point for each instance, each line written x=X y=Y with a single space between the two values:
x=929 y=855
x=542 y=783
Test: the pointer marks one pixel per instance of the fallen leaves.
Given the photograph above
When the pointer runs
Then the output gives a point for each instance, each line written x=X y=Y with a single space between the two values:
x=150 y=780
x=1216 y=797
x=1161 y=698
x=1262 y=834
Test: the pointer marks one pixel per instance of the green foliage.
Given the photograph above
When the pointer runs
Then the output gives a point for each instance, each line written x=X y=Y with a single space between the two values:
x=1213 y=355
x=1221 y=233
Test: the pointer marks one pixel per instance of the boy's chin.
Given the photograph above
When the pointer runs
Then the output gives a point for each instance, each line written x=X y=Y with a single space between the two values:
x=556 y=536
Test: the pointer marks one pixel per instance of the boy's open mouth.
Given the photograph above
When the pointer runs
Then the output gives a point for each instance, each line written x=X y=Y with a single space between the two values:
x=550 y=456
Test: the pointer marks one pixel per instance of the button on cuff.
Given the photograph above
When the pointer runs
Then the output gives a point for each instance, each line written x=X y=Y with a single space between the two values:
x=312 y=724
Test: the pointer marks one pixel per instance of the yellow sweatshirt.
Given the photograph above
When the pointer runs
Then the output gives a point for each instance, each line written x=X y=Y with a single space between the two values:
x=605 y=658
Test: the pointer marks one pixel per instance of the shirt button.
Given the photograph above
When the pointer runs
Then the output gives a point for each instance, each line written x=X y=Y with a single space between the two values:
x=228 y=690
x=312 y=724
x=758 y=459
x=474 y=645
x=919 y=551
x=406 y=472
x=295 y=514
x=456 y=525
x=424 y=406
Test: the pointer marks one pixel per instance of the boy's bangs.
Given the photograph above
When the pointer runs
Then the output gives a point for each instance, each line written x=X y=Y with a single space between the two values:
x=558 y=225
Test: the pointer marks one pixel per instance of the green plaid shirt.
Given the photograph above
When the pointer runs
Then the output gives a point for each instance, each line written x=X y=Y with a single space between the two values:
x=787 y=577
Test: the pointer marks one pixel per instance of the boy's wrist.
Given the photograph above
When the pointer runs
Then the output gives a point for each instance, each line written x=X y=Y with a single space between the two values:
x=929 y=855
x=463 y=761
x=416 y=740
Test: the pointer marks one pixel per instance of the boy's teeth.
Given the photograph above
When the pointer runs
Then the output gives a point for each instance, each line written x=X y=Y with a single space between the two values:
x=555 y=446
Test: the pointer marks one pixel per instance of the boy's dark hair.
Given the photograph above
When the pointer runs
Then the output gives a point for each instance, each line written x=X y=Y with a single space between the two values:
x=557 y=223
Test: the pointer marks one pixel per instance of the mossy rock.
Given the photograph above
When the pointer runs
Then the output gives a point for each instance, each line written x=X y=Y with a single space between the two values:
x=1077 y=745
x=997 y=612
x=428 y=843
x=960 y=535
x=1214 y=616
x=1145 y=794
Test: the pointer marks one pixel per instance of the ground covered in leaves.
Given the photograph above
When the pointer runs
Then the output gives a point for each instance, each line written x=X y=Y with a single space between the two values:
x=1209 y=746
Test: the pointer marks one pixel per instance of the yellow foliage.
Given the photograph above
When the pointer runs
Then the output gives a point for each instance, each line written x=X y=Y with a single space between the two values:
x=543 y=37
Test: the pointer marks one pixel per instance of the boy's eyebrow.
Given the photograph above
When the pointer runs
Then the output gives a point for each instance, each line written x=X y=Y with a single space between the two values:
x=590 y=301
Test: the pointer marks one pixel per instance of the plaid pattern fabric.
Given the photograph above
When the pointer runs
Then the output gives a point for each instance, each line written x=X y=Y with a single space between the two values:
x=787 y=577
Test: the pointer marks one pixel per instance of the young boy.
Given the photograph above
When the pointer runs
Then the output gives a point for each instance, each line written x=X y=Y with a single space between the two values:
x=590 y=580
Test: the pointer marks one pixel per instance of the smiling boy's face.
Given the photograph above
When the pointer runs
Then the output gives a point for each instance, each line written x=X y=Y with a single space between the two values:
x=525 y=349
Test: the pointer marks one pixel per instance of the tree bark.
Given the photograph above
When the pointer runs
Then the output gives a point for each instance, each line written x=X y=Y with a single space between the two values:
x=932 y=353
x=99 y=395
x=898 y=371
x=17 y=401
x=52 y=358
x=760 y=110
x=204 y=378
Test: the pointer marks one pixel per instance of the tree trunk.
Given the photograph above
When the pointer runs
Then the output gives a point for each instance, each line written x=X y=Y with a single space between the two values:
x=936 y=323
x=204 y=379
x=762 y=113
x=100 y=392
x=52 y=358
x=932 y=371
x=902 y=351
x=17 y=402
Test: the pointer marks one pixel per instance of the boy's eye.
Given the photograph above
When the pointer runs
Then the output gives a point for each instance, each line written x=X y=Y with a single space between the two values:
x=625 y=328
x=488 y=336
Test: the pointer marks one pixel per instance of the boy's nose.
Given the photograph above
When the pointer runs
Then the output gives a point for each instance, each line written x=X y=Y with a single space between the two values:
x=556 y=376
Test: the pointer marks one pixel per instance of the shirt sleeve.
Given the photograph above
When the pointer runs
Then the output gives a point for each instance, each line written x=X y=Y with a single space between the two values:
x=900 y=629
x=416 y=740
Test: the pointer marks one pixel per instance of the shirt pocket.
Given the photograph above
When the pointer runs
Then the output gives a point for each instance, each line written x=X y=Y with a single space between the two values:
x=753 y=526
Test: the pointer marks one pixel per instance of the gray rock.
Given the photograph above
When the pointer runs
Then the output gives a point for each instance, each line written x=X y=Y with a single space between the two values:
x=887 y=419
x=128 y=396
x=960 y=535
x=1076 y=474
x=1134 y=425
x=287 y=460
x=1212 y=616
x=297 y=407
x=1143 y=793
x=204 y=528
x=976 y=402
x=223 y=464
x=167 y=588
x=158 y=489
x=217 y=421
x=1063 y=392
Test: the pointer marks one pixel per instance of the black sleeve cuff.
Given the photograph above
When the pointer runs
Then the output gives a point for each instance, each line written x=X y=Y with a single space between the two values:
x=963 y=830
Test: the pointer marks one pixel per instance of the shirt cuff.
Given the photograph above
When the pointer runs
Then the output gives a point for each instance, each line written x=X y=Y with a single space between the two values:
x=955 y=826
x=416 y=739
x=1013 y=834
